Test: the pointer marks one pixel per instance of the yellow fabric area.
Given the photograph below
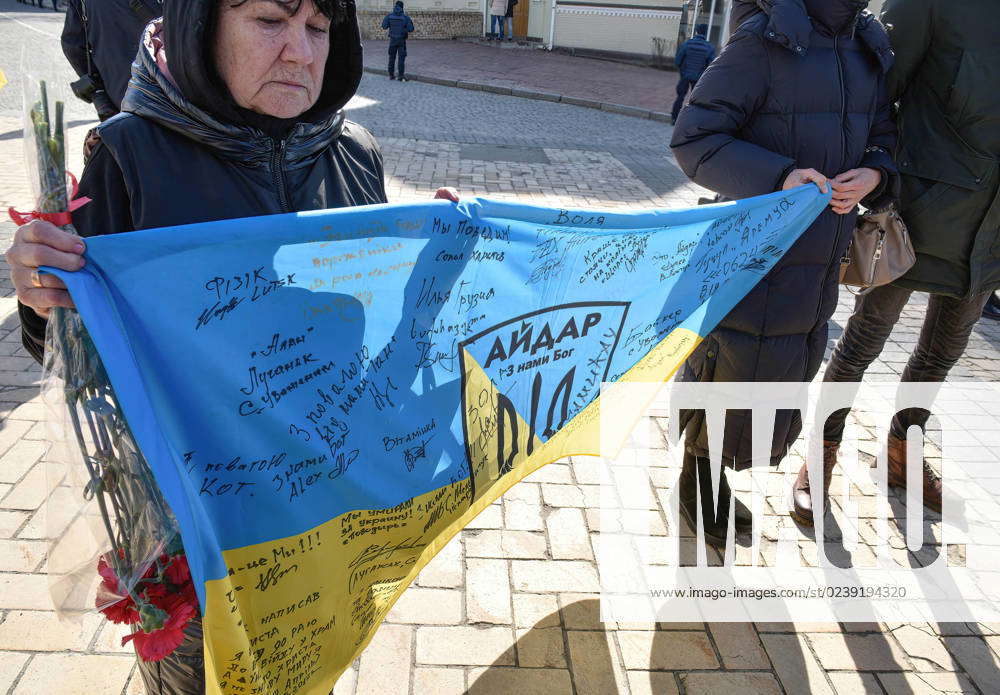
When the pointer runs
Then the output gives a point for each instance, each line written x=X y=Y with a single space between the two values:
x=294 y=613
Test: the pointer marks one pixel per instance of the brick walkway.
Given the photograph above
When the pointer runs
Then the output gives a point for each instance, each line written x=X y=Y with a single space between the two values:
x=510 y=605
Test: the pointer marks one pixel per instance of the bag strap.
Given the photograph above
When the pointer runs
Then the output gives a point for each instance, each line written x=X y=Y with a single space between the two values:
x=86 y=37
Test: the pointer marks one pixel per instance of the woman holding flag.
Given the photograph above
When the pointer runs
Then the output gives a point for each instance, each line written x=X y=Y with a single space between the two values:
x=234 y=110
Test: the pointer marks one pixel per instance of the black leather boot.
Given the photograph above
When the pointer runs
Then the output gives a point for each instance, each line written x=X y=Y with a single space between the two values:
x=697 y=473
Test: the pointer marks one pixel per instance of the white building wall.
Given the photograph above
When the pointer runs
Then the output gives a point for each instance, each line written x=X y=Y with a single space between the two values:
x=539 y=18
x=616 y=29
x=385 y=6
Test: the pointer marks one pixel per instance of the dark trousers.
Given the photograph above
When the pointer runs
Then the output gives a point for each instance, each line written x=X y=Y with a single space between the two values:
x=397 y=50
x=943 y=338
x=684 y=85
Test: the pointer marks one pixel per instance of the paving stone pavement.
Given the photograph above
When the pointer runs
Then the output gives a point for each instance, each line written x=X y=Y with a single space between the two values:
x=510 y=605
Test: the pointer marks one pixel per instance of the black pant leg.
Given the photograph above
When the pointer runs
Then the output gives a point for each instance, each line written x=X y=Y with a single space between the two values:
x=875 y=315
x=943 y=339
x=683 y=86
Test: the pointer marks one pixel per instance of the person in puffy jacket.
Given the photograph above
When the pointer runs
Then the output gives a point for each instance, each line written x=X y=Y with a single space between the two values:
x=693 y=57
x=945 y=80
x=400 y=26
x=798 y=95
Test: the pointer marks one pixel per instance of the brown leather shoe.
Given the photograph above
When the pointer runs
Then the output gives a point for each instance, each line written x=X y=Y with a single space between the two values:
x=897 y=474
x=802 y=509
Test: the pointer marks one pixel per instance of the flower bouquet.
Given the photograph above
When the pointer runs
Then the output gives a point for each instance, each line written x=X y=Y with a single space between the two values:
x=133 y=551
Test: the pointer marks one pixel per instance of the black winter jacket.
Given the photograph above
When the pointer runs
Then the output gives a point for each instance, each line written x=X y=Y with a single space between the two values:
x=167 y=162
x=947 y=80
x=801 y=85
x=114 y=28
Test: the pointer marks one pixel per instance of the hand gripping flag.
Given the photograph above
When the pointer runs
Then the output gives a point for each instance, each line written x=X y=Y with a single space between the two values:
x=326 y=398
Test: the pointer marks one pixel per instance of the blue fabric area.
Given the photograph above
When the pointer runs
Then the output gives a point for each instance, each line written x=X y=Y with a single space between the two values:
x=280 y=371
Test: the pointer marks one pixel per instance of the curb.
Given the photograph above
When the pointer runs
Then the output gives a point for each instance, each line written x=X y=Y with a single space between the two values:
x=620 y=109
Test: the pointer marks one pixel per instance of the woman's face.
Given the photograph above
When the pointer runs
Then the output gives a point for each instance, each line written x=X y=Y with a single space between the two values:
x=271 y=60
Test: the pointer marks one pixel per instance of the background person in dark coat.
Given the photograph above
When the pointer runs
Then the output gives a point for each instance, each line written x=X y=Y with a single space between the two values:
x=509 y=19
x=693 y=56
x=797 y=95
x=400 y=26
x=112 y=28
x=947 y=81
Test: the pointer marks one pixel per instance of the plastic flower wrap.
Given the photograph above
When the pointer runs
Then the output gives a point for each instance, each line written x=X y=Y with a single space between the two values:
x=115 y=545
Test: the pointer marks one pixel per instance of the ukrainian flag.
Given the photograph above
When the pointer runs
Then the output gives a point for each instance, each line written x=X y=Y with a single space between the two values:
x=327 y=398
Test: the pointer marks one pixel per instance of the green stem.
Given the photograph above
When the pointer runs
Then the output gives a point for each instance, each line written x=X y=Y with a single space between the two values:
x=126 y=492
x=45 y=108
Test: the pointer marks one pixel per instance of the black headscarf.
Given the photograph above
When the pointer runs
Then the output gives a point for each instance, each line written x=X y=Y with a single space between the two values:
x=189 y=36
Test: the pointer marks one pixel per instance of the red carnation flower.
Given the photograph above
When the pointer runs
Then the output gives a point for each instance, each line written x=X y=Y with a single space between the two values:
x=155 y=645
x=189 y=594
x=155 y=593
x=109 y=601
x=122 y=612
x=177 y=571
x=152 y=570
x=109 y=578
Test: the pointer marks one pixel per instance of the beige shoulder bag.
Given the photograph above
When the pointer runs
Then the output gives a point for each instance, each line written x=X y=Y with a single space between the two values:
x=880 y=252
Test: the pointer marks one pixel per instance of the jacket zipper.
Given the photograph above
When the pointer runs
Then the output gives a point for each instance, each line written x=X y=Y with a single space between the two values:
x=843 y=146
x=843 y=119
x=278 y=172
x=843 y=98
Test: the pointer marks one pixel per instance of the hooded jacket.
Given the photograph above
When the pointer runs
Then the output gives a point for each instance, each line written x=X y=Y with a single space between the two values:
x=947 y=81
x=801 y=84
x=398 y=23
x=183 y=152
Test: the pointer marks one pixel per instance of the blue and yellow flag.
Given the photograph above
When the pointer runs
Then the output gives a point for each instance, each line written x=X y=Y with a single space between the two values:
x=327 y=398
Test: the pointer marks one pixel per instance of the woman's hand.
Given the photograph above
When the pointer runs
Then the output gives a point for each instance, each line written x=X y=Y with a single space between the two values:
x=851 y=187
x=42 y=243
x=799 y=177
x=446 y=194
